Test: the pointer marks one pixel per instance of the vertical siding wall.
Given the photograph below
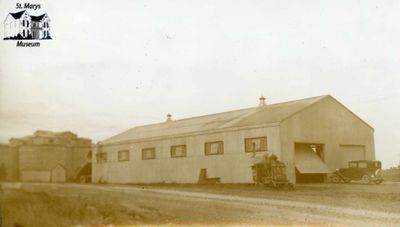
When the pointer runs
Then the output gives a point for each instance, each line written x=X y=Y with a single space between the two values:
x=40 y=159
x=232 y=167
x=46 y=157
x=9 y=158
x=329 y=123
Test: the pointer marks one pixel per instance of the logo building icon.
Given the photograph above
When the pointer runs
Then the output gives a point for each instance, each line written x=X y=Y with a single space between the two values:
x=21 y=25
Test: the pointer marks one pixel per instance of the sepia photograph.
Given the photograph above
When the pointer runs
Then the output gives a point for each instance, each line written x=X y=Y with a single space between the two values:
x=199 y=113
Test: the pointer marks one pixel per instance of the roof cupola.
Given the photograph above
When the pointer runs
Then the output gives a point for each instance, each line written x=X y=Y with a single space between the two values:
x=262 y=101
x=169 y=118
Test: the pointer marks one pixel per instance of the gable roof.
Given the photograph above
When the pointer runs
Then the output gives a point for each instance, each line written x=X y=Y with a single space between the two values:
x=58 y=165
x=273 y=113
x=38 y=18
x=67 y=135
x=45 y=133
x=17 y=15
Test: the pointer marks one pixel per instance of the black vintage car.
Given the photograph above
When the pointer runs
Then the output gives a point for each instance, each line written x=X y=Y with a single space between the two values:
x=366 y=171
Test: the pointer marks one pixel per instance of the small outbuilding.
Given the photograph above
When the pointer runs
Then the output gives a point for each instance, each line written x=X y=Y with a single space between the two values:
x=59 y=173
x=312 y=136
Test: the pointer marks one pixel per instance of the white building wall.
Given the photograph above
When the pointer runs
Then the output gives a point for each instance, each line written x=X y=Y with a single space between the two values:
x=46 y=29
x=232 y=167
x=11 y=27
x=329 y=123
x=25 y=28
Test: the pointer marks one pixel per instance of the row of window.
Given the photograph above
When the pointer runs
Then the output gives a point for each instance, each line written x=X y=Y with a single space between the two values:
x=178 y=151
x=25 y=23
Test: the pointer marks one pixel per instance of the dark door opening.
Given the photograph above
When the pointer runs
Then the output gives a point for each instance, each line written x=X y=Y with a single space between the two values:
x=309 y=177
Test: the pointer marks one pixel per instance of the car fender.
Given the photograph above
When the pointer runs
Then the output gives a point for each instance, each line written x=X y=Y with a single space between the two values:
x=379 y=174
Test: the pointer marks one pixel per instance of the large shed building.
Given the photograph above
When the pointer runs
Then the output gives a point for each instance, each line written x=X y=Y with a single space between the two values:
x=49 y=156
x=312 y=136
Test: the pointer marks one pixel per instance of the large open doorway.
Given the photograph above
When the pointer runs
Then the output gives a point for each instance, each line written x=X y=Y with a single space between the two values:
x=350 y=153
x=309 y=161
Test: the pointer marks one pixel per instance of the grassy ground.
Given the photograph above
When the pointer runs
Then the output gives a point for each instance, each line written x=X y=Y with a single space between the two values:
x=23 y=208
x=392 y=174
x=73 y=204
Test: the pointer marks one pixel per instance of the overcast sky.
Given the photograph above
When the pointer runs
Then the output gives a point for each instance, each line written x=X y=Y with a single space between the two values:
x=116 y=64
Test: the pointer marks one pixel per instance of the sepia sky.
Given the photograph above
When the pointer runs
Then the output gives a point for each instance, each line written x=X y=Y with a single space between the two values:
x=113 y=65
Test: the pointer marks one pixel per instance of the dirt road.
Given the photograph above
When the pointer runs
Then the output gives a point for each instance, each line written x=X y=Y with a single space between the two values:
x=180 y=205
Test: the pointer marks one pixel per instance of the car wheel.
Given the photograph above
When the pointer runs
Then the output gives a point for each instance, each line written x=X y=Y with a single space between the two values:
x=335 y=179
x=366 y=179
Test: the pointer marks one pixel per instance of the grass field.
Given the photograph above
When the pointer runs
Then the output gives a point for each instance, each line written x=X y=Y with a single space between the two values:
x=46 y=204
x=392 y=174
x=23 y=208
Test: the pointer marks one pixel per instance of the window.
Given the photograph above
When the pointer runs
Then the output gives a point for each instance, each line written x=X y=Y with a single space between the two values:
x=23 y=23
x=27 y=23
x=123 y=155
x=101 y=157
x=353 y=164
x=256 y=144
x=178 y=151
x=362 y=165
x=214 y=148
x=148 y=153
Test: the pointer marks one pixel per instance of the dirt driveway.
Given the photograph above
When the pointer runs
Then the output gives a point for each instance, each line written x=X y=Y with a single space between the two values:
x=349 y=205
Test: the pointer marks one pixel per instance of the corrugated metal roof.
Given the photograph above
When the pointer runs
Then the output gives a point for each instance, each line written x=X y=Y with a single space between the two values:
x=272 y=113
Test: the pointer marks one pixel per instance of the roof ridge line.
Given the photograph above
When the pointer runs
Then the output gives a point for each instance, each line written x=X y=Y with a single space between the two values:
x=296 y=100
x=234 y=121
x=208 y=115
x=201 y=116
x=196 y=120
x=321 y=97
